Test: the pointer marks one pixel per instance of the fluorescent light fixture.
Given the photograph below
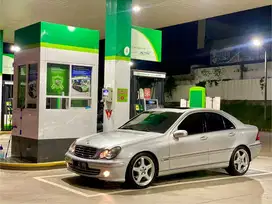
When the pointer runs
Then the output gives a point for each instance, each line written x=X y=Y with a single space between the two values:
x=136 y=9
x=15 y=48
x=71 y=28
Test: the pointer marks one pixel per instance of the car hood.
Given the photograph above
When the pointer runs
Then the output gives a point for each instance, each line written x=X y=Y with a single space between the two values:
x=116 y=138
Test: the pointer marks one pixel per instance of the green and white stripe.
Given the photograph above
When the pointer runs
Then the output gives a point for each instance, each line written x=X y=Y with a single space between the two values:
x=50 y=35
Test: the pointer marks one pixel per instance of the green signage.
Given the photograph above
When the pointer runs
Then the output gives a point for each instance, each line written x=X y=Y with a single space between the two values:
x=122 y=95
x=58 y=80
x=118 y=29
x=51 y=35
x=146 y=44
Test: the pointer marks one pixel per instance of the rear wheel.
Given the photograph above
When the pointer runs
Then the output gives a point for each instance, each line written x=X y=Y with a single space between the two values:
x=141 y=171
x=239 y=162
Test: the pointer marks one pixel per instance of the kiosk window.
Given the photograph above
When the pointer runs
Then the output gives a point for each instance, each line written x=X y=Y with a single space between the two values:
x=81 y=103
x=21 y=86
x=32 y=86
x=68 y=86
x=57 y=103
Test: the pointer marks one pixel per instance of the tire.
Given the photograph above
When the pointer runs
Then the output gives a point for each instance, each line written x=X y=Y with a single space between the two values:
x=143 y=165
x=239 y=162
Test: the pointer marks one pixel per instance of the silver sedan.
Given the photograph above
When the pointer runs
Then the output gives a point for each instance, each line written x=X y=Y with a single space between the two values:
x=166 y=141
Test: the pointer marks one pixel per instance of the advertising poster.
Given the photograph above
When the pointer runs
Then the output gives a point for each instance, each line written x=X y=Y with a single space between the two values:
x=147 y=93
x=122 y=95
x=81 y=81
x=58 y=80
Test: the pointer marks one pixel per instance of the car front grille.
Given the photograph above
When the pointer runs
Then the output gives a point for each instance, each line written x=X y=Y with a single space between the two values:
x=85 y=152
x=87 y=171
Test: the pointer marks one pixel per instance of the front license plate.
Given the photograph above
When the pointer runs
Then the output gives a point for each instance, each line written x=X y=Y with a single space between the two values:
x=80 y=165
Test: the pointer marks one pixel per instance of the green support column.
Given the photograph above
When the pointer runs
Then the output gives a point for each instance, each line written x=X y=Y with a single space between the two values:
x=118 y=29
x=118 y=52
x=1 y=51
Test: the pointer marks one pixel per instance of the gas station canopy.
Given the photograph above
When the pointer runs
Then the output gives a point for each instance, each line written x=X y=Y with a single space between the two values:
x=15 y=14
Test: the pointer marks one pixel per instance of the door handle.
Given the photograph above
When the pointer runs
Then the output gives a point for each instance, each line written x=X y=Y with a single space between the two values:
x=232 y=134
x=204 y=138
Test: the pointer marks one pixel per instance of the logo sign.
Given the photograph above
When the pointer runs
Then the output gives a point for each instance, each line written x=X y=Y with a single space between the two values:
x=147 y=93
x=126 y=51
x=57 y=83
x=108 y=113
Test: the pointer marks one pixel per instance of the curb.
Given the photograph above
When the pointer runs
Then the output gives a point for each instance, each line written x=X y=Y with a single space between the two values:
x=32 y=166
x=5 y=133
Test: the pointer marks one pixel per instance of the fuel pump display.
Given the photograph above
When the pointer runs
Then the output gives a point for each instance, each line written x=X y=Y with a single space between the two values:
x=146 y=104
x=8 y=116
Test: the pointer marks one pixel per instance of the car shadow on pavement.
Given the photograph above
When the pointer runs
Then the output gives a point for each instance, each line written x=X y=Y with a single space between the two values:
x=101 y=186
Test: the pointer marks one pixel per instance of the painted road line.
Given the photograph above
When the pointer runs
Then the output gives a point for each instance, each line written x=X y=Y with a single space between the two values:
x=62 y=187
x=57 y=175
x=183 y=183
x=42 y=179
x=260 y=170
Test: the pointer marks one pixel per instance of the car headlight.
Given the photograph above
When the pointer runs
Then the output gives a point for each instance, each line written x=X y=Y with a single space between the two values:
x=110 y=153
x=72 y=147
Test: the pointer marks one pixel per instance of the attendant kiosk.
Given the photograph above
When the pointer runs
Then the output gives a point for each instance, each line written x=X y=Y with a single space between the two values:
x=55 y=90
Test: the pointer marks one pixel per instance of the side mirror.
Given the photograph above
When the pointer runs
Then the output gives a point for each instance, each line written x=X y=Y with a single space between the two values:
x=180 y=133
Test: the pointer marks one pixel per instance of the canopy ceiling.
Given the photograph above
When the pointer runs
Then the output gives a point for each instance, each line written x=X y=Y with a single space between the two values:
x=15 y=14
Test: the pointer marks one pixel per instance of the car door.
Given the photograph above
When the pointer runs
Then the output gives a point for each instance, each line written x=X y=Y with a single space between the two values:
x=191 y=150
x=222 y=136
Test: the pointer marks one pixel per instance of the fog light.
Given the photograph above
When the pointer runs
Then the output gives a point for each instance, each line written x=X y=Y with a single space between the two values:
x=106 y=173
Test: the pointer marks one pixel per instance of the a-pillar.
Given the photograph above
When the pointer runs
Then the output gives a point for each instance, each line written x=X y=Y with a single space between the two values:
x=117 y=67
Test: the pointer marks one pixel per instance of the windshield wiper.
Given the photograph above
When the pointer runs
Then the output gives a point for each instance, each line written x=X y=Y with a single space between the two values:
x=127 y=128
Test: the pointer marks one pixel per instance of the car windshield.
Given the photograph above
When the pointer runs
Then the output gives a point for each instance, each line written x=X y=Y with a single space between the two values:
x=152 y=121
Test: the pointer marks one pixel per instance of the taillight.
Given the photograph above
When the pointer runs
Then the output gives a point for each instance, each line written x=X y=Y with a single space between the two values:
x=258 y=137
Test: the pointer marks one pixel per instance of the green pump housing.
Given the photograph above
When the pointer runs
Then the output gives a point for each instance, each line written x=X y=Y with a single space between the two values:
x=197 y=97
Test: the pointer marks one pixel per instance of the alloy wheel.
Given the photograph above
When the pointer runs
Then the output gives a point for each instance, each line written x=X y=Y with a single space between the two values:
x=241 y=161
x=143 y=171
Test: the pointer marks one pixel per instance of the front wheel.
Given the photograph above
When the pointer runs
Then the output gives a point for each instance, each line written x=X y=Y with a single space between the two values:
x=141 y=171
x=239 y=162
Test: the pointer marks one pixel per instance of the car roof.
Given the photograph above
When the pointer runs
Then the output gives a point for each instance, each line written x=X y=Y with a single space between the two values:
x=183 y=110
x=237 y=122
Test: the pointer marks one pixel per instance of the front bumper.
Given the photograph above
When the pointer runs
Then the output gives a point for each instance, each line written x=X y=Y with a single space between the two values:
x=97 y=168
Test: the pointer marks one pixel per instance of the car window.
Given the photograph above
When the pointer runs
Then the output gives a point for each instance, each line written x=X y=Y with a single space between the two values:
x=214 y=122
x=152 y=121
x=228 y=125
x=193 y=124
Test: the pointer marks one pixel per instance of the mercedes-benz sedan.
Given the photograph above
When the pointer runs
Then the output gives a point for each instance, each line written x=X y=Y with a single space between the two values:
x=166 y=141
